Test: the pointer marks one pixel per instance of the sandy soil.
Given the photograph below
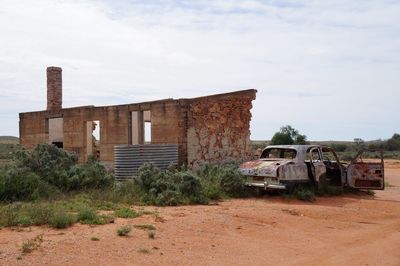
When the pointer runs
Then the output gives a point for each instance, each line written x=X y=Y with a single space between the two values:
x=345 y=230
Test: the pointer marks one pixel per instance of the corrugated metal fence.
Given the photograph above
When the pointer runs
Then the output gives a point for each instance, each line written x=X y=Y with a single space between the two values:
x=129 y=158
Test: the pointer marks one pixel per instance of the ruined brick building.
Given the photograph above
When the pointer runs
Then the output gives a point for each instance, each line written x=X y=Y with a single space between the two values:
x=206 y=129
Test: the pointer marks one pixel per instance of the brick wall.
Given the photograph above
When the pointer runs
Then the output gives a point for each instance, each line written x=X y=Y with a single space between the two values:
x=168 y=125
x=54 y=89
x=207 y=129
x=33 y=129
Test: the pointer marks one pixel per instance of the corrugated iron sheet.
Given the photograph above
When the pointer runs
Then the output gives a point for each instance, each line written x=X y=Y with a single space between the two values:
x=129 y=158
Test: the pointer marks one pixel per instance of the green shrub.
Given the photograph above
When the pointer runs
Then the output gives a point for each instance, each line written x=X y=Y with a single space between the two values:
x=171 y=187
x=9 y=214
x=25 y=214
x=48 y=162
x=56 y=214
x=330 y=190
x=232 y=182
x=32 y=244
x=176 y=186
x=89 y=216
x=25 y=221
x=124 y=192
x=86 y=215
x=91 y=175
x=124 y=230
x=61 y=219
x=169 y=198
x=147 y=177
x=40 y=213
x=47 y=170
x=126 y=213
x=220 y=181
x=18 y=184
x=304 y=192
x=28 y=246
x=145 y=226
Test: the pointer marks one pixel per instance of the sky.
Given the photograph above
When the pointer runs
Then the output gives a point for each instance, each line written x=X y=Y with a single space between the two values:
x=331 y=69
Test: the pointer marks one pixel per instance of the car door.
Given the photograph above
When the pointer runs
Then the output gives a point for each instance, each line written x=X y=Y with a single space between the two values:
x=317 y=163
x=366 y=175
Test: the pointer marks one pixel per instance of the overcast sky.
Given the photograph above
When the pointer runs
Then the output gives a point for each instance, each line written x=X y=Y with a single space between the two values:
x=329 y=68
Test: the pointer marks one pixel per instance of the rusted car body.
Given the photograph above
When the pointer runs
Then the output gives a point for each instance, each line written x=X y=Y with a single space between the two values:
x=282 y=166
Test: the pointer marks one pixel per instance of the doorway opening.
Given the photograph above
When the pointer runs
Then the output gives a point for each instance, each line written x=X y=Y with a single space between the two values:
x=56 y=132
x=93 y=135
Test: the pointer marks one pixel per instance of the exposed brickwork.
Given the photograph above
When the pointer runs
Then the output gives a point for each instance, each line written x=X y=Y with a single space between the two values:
x=206 y=129
x=33 y=129
x=218 y=128
x=54 y=89
x=169 y=125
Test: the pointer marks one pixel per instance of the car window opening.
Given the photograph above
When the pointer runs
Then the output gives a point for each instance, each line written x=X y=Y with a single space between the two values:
x=278 y=153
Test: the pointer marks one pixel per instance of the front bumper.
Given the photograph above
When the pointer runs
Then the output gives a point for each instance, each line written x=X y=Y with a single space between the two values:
x=265 y=185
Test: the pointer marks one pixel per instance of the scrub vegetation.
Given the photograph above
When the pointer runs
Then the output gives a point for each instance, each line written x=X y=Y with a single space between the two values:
x=47 y=186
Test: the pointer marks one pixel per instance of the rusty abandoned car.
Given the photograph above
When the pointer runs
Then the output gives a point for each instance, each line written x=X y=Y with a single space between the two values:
x=284 y=166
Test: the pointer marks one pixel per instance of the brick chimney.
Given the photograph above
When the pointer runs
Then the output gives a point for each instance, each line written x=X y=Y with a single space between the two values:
x=54 y=89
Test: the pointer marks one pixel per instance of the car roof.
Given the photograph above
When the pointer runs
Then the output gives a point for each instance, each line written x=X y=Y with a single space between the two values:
x=294 y=147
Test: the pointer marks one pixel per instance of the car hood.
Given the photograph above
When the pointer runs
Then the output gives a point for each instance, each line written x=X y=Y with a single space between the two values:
x=262 y=167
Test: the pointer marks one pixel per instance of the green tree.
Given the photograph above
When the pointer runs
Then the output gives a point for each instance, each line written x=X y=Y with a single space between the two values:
x=393 y=143
x=288 y=135
x=359 y=143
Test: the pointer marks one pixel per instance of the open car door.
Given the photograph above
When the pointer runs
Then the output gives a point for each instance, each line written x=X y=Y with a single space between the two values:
x=366 y=175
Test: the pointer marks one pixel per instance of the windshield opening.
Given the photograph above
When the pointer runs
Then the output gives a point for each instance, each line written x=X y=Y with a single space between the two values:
x=278 y=153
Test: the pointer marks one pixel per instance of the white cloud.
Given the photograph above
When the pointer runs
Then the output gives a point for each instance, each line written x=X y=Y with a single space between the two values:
x=329 y=68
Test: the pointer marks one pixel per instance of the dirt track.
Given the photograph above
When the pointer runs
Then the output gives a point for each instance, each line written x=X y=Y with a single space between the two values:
x=349 y=230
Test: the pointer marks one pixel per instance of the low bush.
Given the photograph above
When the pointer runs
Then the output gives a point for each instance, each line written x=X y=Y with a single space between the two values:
x=46 y=171
x=124 y=230
x=304 y=192
x=144 y=250
x=172 y=187
x=18 y=184
x=89 y=216
x=330 y=190
x=9 y=215
x=91 y=175
x=221 y=181
x=32 y=244
x=145 y=226
x=61 y=219
x=58 y=214
x=126 y=213
x=18 y=214
x=179 y=186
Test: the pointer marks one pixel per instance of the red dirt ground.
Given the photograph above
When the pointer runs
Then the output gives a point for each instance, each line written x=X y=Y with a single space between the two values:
x=343 y=230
